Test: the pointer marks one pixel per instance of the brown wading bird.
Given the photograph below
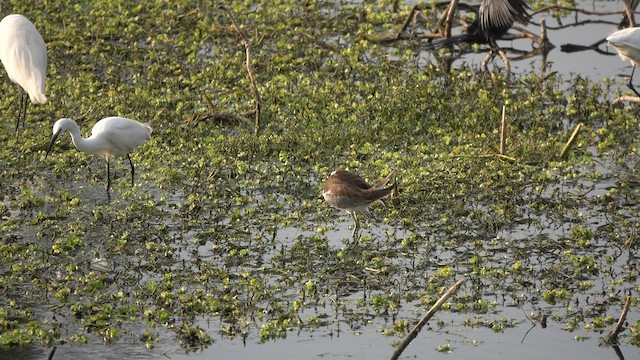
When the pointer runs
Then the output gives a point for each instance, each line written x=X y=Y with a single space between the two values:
x=349 y=192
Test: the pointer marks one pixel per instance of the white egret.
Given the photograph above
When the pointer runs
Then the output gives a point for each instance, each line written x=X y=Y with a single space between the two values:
x=110 y=137
x=349 y=192
x=627 y=43
x=24 y=56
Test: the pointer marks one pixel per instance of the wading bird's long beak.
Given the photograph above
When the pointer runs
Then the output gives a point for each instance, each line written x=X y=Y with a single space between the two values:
x=382 y=183
x=53 y=141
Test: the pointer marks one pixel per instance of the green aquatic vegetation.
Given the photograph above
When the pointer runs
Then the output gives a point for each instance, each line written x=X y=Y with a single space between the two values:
x=602 y=322
x=192 y=337
x=635 y=333
x=554 y=295
x=275 y=329
x=445 y=348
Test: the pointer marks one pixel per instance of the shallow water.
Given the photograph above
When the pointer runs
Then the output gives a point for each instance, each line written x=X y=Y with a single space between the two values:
x=587 y=64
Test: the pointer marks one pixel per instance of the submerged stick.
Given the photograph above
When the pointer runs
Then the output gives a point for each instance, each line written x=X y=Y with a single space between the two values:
x=252 y=81
x=53 y=351
x=543 y=32
x=416 y=329
x=618 y=352
x=572 y=139
x=545 y=45
x=612 y=338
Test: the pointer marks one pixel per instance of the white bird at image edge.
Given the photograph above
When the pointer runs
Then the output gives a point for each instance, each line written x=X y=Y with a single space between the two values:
x=24 y=56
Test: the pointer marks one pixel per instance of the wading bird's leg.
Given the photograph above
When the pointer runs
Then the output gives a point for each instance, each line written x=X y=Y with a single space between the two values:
x=108 y=175
x=132 y=169
x=485 y=62
x=25 y=104
x=507 y=63
x=356 y=225
x=22 y=108
x=630 y=84
x=496 y=50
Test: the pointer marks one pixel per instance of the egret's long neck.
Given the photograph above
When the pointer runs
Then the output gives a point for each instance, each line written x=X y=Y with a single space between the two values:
x=88 y=145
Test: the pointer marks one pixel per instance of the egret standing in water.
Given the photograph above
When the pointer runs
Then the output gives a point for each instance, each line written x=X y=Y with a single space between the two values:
x=110 y=137
x=24 y=56
x=349 y=192
x=627 y=43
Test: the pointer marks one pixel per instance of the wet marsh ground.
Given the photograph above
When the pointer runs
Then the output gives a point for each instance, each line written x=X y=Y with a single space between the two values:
x=225 y=239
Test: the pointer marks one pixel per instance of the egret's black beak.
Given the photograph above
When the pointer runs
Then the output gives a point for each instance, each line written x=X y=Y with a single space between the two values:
x=53 y=141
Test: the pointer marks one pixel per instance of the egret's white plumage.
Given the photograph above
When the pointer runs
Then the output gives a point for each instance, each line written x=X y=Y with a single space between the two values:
x=24 y=56
x=627 y=43
x=110 y=137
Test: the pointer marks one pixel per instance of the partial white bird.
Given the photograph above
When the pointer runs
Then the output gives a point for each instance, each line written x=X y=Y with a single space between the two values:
x=110 y=137
x=24 y=56
x=627 y=43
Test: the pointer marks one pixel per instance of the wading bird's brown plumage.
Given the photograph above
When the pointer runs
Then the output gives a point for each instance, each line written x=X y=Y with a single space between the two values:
x=349 y=192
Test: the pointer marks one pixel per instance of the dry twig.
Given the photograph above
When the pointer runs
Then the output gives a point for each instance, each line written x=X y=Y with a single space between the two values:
x=449 y=20
x=626 y=98
x=252 y=81
x=416 y=329
x=612 y=338
x=503 y=131
x=572 y=139
x=629 y=12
